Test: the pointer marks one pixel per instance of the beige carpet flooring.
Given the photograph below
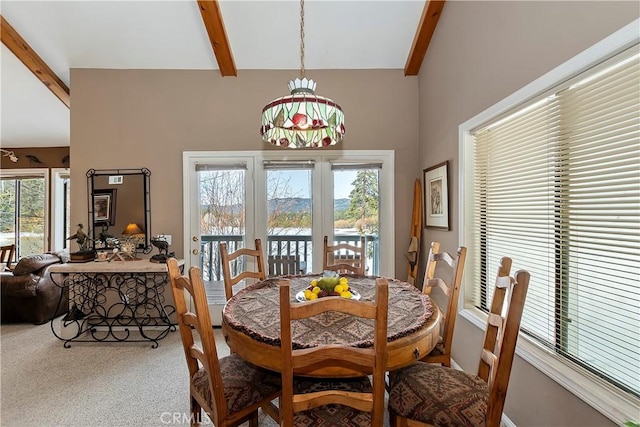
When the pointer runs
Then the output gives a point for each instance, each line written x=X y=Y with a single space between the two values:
x=93 y=384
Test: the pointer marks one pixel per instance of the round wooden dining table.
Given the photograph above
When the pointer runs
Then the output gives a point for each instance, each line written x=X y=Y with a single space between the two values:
x=251 y=325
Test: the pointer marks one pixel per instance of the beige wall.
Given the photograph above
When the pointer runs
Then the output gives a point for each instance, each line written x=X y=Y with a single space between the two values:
x=145 y=118
x=482 y=52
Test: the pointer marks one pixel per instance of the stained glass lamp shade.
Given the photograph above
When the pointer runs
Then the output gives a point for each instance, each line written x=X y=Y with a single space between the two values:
x=302 y=119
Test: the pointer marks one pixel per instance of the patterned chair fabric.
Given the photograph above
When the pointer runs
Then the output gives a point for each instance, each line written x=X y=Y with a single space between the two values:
x=439 y=395
x=332 y=415
x=244 y=384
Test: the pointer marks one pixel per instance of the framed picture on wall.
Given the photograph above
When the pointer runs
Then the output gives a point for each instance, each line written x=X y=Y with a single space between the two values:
x=436 y=197
x=104 y=207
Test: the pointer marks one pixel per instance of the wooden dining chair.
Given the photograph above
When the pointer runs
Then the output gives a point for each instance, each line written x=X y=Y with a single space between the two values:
x=343 y=402
x=451 y=289
x=230 y=262
x=428 y=394
x=7 y=253
x=344 y=258
x=229 y=389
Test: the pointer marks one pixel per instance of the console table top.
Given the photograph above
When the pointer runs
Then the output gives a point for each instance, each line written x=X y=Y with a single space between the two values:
x=138 y=266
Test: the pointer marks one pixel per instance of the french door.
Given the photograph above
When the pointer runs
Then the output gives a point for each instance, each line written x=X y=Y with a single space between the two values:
x=290 y=202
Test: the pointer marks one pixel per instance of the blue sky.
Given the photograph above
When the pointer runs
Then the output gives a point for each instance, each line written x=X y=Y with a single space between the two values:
x=300 y=185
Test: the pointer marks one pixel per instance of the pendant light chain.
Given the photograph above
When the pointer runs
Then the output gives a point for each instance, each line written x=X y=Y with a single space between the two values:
x=301 y=38
x=302 y=119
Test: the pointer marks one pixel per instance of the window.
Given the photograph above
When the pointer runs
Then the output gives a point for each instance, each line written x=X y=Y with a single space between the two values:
x=554 y=183
x=23 y=217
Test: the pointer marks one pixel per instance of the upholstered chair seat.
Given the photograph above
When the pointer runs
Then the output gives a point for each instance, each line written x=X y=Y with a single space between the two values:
x=229 y=389
x=332 y=415
x=439 y=395
x=426 y=394
x=244 y=384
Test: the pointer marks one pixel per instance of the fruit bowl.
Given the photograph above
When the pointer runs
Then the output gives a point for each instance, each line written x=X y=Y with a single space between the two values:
x=330 y=284
x=301 y=298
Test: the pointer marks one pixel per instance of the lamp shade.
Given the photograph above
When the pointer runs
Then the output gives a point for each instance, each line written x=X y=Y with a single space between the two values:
x=132 y=229
x=302 y=119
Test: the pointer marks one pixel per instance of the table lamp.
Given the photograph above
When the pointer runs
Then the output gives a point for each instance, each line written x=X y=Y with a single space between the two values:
x=132 y=233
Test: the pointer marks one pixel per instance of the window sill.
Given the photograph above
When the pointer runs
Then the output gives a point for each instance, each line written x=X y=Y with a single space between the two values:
x=611 y=402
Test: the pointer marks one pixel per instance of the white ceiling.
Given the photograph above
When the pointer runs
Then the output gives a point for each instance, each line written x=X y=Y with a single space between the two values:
x=152 y=34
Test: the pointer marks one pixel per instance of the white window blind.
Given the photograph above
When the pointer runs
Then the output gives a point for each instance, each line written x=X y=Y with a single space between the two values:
x=557 y=188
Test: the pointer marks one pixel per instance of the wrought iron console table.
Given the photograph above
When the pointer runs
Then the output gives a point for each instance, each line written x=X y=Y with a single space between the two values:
x=114 y=301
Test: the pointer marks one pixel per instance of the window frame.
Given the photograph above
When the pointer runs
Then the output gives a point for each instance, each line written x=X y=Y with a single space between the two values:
x=59 y=220
x=612 y=402
x=44 y=174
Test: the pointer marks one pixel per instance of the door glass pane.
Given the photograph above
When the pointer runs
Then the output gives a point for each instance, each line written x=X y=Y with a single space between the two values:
x=8 y=211
x=222 y=217
x=289 y=220
x=356 y=211
x=22 y=217
x=31 y=217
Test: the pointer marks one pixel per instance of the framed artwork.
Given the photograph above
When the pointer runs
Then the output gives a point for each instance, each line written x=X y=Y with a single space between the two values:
x=436 y=197
x=104 y=207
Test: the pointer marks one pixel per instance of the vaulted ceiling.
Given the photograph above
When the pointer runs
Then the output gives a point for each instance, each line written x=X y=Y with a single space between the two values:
x=43 y=40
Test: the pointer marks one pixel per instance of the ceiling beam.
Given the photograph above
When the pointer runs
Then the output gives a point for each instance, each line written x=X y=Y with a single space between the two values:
x=20 y=48
x=428 y=22
x=210 y=10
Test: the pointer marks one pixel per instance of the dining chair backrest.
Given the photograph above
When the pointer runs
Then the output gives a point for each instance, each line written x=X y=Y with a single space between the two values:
x=368 y=359
x=7 y=253
x=229 y=389
x=282 y=265
x=205 y=355
x=344 y=258
x=485 y=391
x=450 y=287
x=238 y=258
x=501 y=335
x=430 y=270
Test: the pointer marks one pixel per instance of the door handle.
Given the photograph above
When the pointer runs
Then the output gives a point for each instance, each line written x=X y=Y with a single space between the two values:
x=195 y=252
x=195 y=238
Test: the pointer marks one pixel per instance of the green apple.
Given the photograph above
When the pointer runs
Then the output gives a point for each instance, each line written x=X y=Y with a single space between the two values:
x=328 y=283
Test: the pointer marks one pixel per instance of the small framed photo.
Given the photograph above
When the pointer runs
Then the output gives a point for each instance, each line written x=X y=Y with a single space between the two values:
x=104 y=207
x=436 y=197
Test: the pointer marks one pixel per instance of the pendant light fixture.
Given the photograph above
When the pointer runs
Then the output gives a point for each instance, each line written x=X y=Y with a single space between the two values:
x=302 y=119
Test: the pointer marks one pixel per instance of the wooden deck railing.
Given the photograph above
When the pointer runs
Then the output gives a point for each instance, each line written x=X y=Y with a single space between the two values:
x=301 y=246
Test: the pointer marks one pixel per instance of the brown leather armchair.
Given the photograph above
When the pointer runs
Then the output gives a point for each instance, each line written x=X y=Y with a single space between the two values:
x=28 y=295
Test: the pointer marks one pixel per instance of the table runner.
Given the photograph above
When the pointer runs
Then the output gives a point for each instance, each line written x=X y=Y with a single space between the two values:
x=255 y=312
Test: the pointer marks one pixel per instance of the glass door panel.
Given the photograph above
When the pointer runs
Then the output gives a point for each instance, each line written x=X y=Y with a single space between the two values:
x=8 y=211
x=356 y=204
x=222 y=195
x=289 y=219
x=222 y=217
